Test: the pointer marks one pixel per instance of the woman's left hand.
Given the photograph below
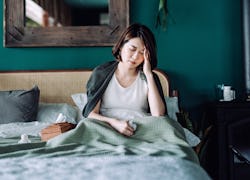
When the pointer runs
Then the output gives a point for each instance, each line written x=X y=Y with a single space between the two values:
x=146 y=64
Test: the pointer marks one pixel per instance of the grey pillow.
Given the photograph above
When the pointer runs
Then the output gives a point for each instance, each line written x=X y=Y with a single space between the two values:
x=19 y=105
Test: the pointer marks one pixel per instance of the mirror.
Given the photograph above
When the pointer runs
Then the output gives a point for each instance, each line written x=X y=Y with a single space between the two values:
x=51 y=13
x=103 y=32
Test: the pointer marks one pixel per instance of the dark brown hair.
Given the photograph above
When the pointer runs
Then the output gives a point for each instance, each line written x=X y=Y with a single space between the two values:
x=145 y=34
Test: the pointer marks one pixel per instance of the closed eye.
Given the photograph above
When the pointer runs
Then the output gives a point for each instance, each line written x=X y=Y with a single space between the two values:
x=132 y=49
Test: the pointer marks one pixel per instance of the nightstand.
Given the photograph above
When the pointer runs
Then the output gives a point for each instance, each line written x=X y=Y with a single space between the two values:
x=231 y=122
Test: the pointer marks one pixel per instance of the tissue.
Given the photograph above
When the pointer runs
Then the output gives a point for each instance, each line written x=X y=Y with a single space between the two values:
x=132 y=124
x=61 y=118
x=24 y=139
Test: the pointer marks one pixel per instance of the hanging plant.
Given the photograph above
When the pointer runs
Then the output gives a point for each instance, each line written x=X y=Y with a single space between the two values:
x=162 y=14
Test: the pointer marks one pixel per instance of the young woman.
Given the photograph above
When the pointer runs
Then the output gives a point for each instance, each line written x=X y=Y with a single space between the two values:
x=126 y=87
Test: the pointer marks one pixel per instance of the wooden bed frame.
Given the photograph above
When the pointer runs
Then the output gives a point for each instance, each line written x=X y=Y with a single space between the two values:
x=57 y=86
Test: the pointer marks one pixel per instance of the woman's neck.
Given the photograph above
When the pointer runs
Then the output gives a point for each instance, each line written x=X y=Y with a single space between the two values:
x=125 y=76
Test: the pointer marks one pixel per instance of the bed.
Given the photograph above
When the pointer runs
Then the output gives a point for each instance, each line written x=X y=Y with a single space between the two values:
x=158 y=150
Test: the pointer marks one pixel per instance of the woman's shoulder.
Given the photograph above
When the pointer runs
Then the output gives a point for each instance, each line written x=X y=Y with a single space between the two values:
x=101 y=72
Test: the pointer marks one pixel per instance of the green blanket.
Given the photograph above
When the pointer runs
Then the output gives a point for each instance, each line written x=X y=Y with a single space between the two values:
x=155 y=136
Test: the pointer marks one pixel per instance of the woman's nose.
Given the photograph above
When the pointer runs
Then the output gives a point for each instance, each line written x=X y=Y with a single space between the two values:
x=135 y=55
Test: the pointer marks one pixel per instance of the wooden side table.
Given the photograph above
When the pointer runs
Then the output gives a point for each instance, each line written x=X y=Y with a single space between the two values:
x=223 y=115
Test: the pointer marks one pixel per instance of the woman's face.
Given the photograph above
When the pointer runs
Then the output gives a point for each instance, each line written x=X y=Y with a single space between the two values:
x=132 y=52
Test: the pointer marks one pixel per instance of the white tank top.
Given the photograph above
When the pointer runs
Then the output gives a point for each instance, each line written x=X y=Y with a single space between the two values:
x=133 y=98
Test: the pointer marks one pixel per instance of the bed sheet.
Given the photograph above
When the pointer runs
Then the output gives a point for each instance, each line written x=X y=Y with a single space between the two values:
x=101 y=168
x=158 y=150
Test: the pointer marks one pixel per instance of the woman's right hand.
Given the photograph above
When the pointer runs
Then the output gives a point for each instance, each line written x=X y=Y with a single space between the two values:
x=122 y=127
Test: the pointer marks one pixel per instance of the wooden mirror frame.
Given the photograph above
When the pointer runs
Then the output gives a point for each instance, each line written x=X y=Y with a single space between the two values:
x=17 y=35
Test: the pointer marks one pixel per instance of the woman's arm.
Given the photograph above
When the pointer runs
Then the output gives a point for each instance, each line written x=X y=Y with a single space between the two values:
x=121 y=126
x=156 y=104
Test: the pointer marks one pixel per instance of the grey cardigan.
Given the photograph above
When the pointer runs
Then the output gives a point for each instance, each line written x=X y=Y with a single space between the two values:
x=99 y=81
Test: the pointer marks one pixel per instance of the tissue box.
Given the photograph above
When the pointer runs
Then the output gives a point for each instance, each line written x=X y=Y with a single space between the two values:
x=56 y=129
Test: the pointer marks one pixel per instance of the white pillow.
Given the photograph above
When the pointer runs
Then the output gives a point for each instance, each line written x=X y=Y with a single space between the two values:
x=172 y=107
x=80 y=100
x=48 y=112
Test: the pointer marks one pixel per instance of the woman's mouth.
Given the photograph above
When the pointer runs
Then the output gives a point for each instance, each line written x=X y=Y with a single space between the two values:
x=132 y=62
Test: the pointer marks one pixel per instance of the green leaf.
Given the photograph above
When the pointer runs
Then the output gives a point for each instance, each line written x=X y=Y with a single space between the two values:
x=161 y=19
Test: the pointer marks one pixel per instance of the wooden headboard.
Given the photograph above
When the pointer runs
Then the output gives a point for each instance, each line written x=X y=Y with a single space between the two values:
x=57 y=86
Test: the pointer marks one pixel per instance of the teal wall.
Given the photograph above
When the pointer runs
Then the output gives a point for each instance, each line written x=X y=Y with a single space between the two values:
x=201 y=47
